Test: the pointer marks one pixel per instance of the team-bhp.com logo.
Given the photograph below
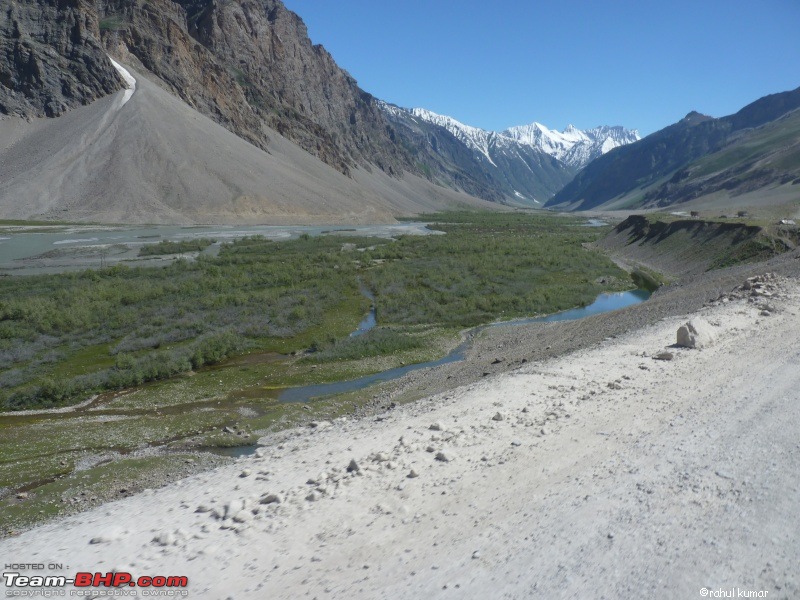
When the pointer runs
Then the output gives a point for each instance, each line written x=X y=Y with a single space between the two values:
x=96 y=580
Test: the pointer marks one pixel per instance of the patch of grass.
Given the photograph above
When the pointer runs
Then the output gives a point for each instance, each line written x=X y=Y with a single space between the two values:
x=179 y=247
x=488 y=266
x=759 y=248
x=376 y=342
x=113 y=23
x=647 y=279
x=82 y=489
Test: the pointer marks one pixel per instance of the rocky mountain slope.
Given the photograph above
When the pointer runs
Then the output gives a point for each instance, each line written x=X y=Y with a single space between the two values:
x=757 y=159
x=522 y=165
x=244 y=64
x=145 y=156
x=753 y=149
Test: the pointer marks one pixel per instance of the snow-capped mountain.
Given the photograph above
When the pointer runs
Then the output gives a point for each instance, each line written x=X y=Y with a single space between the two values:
x=573 y=146
x=522 y=165
x=473 y=138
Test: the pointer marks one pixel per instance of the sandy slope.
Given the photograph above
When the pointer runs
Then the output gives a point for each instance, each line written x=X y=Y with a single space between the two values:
x=144 y=156
x=607 y=475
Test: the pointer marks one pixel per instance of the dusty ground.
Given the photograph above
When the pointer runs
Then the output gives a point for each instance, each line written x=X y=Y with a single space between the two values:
x=600 y=474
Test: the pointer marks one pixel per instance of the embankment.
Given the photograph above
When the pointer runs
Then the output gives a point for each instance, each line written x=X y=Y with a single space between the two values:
x=678 y=248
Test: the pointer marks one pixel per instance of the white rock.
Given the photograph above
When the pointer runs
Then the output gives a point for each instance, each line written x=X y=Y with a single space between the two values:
x=243 y=516
x=697 y=333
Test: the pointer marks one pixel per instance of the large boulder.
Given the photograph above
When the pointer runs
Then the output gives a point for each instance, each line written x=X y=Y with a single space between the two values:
x=697 y=333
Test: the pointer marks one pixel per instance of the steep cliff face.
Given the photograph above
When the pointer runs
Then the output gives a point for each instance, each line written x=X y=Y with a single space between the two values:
x=249 y=62
x=296 y=87
x=156 y=34
x=244 y=63
x=51 y=58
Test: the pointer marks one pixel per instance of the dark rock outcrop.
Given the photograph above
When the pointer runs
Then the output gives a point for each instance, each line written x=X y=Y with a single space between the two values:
x=244 y=63
x=51 y=57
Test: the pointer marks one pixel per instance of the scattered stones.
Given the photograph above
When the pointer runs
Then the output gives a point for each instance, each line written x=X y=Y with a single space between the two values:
x=436 y=426
x=165 y=538
x=412 y=474
x=697 y=333
x=203 y=508
x=271 y=499
x=381 y=457
x=22 y=496
x=313 y=496
x=445 y=456
x=476 y=555
x=497 y=361
x=498 y=417
x=100 y=539
x=664 y=356
x=245 y=473
x=243 y=516
x=353 y=467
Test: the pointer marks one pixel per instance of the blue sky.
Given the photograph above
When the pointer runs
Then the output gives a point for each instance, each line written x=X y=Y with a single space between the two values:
x=493 y=64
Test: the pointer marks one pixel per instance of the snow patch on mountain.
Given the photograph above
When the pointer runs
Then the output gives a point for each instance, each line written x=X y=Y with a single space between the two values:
x=474 y=138
x=572 y=146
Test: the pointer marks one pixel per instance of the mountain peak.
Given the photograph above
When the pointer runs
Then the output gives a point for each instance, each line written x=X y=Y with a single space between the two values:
x=695 y=117
x=573 y=146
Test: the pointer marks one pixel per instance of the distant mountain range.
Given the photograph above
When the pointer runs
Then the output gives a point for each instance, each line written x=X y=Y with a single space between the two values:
x=249 y=66
x=699 y=157
x=308 y=145
x=521 y=165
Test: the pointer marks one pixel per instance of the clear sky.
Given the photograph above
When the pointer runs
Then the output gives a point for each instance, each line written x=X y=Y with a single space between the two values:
x=496 y=63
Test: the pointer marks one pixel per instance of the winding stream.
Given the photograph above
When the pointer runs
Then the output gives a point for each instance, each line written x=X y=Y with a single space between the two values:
x=603 y=303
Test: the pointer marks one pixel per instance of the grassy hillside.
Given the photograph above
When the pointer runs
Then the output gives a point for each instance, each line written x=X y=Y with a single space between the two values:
x=752 y=149
x=676 y=246
x=758 y=158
